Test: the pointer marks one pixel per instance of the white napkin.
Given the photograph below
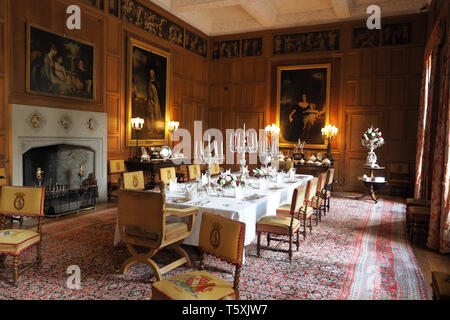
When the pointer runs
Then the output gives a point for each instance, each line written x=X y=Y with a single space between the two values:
x=204 y=179
x=191 y=193
x=228 y=172
x=262 y=184
x=173 y=185
x=292 y=173
x=279 y=178
x=238 y=194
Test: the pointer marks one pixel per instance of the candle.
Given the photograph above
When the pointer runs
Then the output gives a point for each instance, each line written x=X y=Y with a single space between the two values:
x=209 y=143
x=195 y=150
x=221 y=148
x=216 y=151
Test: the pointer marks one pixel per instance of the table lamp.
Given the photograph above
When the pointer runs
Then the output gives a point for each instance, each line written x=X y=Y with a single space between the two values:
x=172 y=126
x=330 y=132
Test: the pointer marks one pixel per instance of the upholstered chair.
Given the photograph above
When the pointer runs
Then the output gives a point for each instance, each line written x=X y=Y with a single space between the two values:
x=285 y=165
x=134 y=180
x=286 y=223
x=194 y=171
x=328 y=187
x=317 y=201
x=116 y=168
x=215 y=169
x=224 y=239
x=20 y=202
x=143 y=223
x=167 y=174
x=411 y=202
x=3 y=181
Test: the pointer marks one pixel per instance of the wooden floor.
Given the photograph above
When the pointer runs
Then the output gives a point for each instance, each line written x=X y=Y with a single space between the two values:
x=427 y=259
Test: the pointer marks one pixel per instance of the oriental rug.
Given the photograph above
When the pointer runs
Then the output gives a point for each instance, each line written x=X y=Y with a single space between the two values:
x=359 y=251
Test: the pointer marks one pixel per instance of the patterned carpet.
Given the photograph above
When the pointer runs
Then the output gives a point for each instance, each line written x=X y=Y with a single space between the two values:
x=358 y=251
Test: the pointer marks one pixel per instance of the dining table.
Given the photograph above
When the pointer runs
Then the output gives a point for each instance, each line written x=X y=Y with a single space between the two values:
x=257 y=201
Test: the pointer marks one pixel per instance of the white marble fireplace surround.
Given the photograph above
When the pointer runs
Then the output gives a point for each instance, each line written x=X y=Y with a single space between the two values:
x=34 y=127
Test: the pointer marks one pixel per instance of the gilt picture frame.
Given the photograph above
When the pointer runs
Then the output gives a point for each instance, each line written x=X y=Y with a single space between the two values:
x=59 y=66
x=148 y=92
x=303 y=104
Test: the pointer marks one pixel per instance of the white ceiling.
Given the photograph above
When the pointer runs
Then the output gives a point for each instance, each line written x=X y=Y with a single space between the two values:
x=220 y=17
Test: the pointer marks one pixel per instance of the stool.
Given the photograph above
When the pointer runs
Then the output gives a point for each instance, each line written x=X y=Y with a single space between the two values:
x=440 y=283
x=418 y=222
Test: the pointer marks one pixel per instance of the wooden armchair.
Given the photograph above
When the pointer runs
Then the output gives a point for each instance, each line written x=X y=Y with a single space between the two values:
x=134 y=180
x=222 y=238
x=20 y=202
x=287 y=222
x=142 y=223
x=116 y=169
x=328 y=187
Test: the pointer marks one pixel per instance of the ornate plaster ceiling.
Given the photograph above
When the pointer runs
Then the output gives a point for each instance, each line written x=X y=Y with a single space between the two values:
x=221 y=17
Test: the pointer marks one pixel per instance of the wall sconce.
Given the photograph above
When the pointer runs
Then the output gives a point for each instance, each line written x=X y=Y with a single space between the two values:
x=272 y=130
x=172 y=126
x=137 y=124
x=330 y=132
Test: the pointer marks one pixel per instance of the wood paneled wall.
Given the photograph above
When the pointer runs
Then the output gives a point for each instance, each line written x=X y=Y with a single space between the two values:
x=109 y=34
x=379 y=86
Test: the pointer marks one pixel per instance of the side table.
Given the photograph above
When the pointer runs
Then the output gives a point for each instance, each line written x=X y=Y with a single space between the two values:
x=373 y=182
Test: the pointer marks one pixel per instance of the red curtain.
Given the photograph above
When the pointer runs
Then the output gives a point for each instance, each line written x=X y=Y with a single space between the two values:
x=439 y=231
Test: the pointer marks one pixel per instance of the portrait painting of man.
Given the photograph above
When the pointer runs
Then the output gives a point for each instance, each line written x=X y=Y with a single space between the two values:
x=303 y=98
x=148 y=90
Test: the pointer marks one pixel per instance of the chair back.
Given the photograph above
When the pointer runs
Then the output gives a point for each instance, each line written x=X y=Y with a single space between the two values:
x=3 y=181
x=322 y=181
x=286 y=165
x=215 y=169
x=22 y=201
x=116 y=166
x=298 y=199
x=312 y=189
x=222 y=237
x=167 y=174
x=330 y=177
x=143 y=211
x=194 y=171
x=134 y=180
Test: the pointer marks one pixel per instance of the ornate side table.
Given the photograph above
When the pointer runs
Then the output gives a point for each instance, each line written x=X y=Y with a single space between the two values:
x=373 y=182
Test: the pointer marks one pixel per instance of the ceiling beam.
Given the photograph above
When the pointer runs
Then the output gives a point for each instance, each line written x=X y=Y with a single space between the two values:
x=195 y=5
x=263 y=11
x=341 y=8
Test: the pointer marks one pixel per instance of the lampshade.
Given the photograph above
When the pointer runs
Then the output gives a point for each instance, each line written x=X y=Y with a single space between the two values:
x=137 y=123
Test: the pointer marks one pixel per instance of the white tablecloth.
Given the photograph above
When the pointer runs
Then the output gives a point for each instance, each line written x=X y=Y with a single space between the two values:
x=247 y=211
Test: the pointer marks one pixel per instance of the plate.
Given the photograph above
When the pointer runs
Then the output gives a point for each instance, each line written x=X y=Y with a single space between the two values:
x=276 y=188
x=179 y=200
x=165 y=152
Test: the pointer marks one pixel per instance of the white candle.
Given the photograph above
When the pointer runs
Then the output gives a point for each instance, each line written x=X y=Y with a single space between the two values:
x=209 y=143
x=221 y=148
x=216 y=151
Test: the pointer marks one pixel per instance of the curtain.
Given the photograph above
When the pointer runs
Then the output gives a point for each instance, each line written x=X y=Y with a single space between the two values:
x=439 y=230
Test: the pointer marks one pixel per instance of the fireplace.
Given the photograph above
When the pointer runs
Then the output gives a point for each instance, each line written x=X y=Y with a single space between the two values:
x=58 y=141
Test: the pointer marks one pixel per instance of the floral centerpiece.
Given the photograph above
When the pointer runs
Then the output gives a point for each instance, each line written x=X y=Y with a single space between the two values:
x=230 y=181
x=372 y=139
x=257 y=173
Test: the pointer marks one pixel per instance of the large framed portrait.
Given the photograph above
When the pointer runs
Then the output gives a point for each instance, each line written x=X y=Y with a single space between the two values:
x=148 y=92
x=59 y=66
x=303 y=104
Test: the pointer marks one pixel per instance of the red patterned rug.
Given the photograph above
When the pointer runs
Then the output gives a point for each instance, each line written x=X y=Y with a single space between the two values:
x=358 y=251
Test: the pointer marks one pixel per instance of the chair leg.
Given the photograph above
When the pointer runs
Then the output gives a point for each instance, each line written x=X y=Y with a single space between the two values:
x=310 y=224
x=16 y=270
x=258 y=245
x=304 y=228
x=297 y=242
x=290 y=247
x=268 y=239
x=2 y=260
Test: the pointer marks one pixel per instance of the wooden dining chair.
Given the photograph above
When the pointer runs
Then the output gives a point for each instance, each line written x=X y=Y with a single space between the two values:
x=142 y=220
x=20 y=202
x=317 y=201
x=215 y=169
x=167 y=174
x=134 y=180
x=194 y=171
x=286 y=223
x=328 y=187
x=116 y=169
x=222 y=238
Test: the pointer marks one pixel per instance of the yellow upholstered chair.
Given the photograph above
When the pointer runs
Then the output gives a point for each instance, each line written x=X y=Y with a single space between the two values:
x=215 y=169
x=3 y=181
x=167 y=174
x=134 y=180
x=194 y=171
x=116 y=168
x=327 y=192
x=222 y=238
x=287 y=222
x=20 y=202
x=317 y=201
x=142 y=223
x=286 y=165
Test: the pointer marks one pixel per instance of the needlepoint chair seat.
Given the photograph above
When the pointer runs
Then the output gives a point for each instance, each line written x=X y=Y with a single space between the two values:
x=285 y=211
x=278 y=225
x=224 y=239
x=441 y=285
x=14 y=241
x=196 y=285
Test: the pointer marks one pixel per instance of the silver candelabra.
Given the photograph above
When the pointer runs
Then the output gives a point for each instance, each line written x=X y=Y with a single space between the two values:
x=240 y=145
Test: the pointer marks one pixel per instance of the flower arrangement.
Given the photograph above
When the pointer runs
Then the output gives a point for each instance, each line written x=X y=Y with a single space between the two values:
x=257 y=173
x=373 y=135
x=230 y=181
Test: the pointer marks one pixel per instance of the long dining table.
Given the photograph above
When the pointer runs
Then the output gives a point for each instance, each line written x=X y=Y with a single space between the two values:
x=255 y=204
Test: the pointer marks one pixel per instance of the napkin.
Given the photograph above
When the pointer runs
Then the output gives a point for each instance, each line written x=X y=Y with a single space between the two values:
x=190 y=193
x=228 y=172
x=279 y=178
x=262 y=184
x=292 y=173
x=204 y=179
x=173 y=185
